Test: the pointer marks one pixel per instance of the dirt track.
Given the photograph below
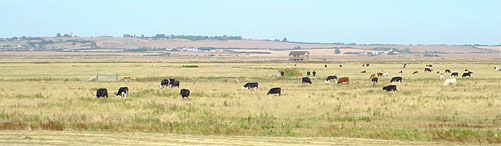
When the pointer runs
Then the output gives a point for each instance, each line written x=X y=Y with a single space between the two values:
x=130 y=138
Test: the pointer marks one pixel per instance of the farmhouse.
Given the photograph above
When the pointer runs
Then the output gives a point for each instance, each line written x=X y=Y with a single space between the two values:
x=299 y=56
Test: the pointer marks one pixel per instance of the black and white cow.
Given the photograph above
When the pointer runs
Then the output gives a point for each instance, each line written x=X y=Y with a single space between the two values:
x=427 y=70
x=447 y=71
x=390 y=88
x=396 y=79
x=102 y=92
x=276 y=90
x=314 y=73
x=185 y=93
x=164 y=83
x=171 y=81
x=467 y=74
x=306 y=80
x=251 y=85
x=401 y=72
x=122 y=92
x=329 y=78
x=175 y=84
x=374 y=80
x=405 y=65
x=454 y=74
x=308 y=73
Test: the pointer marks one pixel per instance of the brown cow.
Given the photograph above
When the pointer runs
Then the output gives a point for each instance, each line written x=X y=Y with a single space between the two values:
x=343 y=80
x=127 y=78
x=379 y=74
x=415 y=72
x=372 y=76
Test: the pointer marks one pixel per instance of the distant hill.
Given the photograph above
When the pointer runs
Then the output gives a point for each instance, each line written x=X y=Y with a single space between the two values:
x=85 y=43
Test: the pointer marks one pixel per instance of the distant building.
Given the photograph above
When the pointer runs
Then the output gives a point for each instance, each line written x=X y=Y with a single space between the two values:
x=299 y=56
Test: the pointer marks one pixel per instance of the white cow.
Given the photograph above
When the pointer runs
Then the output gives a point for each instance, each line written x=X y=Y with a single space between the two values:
x=442 y=77
x=386 y=74
x=450 y=81
x=497 y=68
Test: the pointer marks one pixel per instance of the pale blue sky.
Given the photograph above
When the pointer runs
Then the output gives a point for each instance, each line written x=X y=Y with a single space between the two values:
x=359 y=21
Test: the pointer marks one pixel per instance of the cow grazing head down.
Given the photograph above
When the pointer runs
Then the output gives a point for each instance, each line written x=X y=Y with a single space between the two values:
x=374 y=80
x=396 y=79
x=102 y=92
x=276 y=90
x=329 y=78
x=251 y=85
x=454 y=74
x=175 y=84
x=467 y=74
x=164 y=83
x=185 y=93
x=122 y=92
x=390 y=88
x=450 y=81
x=306 y=80
x=343 y=80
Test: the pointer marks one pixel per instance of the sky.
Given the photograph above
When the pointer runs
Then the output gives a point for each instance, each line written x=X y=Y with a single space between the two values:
x=326 y=21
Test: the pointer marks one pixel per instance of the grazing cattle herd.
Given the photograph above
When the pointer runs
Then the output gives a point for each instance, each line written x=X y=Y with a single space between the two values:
x=123 y=91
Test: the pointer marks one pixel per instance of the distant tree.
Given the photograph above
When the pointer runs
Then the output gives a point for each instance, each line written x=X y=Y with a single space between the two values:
x=337 y=51
x=284 y=40
x=276 y=40
x=58 y=35
x=66 y=35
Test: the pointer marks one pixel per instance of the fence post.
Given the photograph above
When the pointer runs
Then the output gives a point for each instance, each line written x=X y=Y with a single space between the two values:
x=97 y=77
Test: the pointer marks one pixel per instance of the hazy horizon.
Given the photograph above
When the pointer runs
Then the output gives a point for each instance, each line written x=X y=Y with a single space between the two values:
x=360 y=21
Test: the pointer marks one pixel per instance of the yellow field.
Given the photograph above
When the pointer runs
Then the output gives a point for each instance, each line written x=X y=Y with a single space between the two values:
x=55 y=96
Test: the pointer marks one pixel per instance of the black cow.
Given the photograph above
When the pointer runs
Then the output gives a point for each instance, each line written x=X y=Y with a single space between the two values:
x=467 y=74
x=175 y=84
x=122 y=92
x=306 y=80
x=251 y=85
x=363 y=71
x=405 y=65
x=447 y=71
x=400 y=72
x=340 y=65
x=438 y=71
x=277 y=90
x=396 y=79
x=390 y=88
x=185 y=93
x=329 y=78
x=314 y=73
x=325 y=65
x=282 y=73
x=171 y=81
x=102 y=92
x=429 y=65
x=427 y=70
x=454 y=74
x=367 y=65
x=164 y=83
x=374 y=80
x=308 y=73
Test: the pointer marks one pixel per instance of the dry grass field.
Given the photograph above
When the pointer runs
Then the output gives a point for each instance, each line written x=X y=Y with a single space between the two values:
x=43 y=96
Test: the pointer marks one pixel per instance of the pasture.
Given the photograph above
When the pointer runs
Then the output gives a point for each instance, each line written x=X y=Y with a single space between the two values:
x=56 y=97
